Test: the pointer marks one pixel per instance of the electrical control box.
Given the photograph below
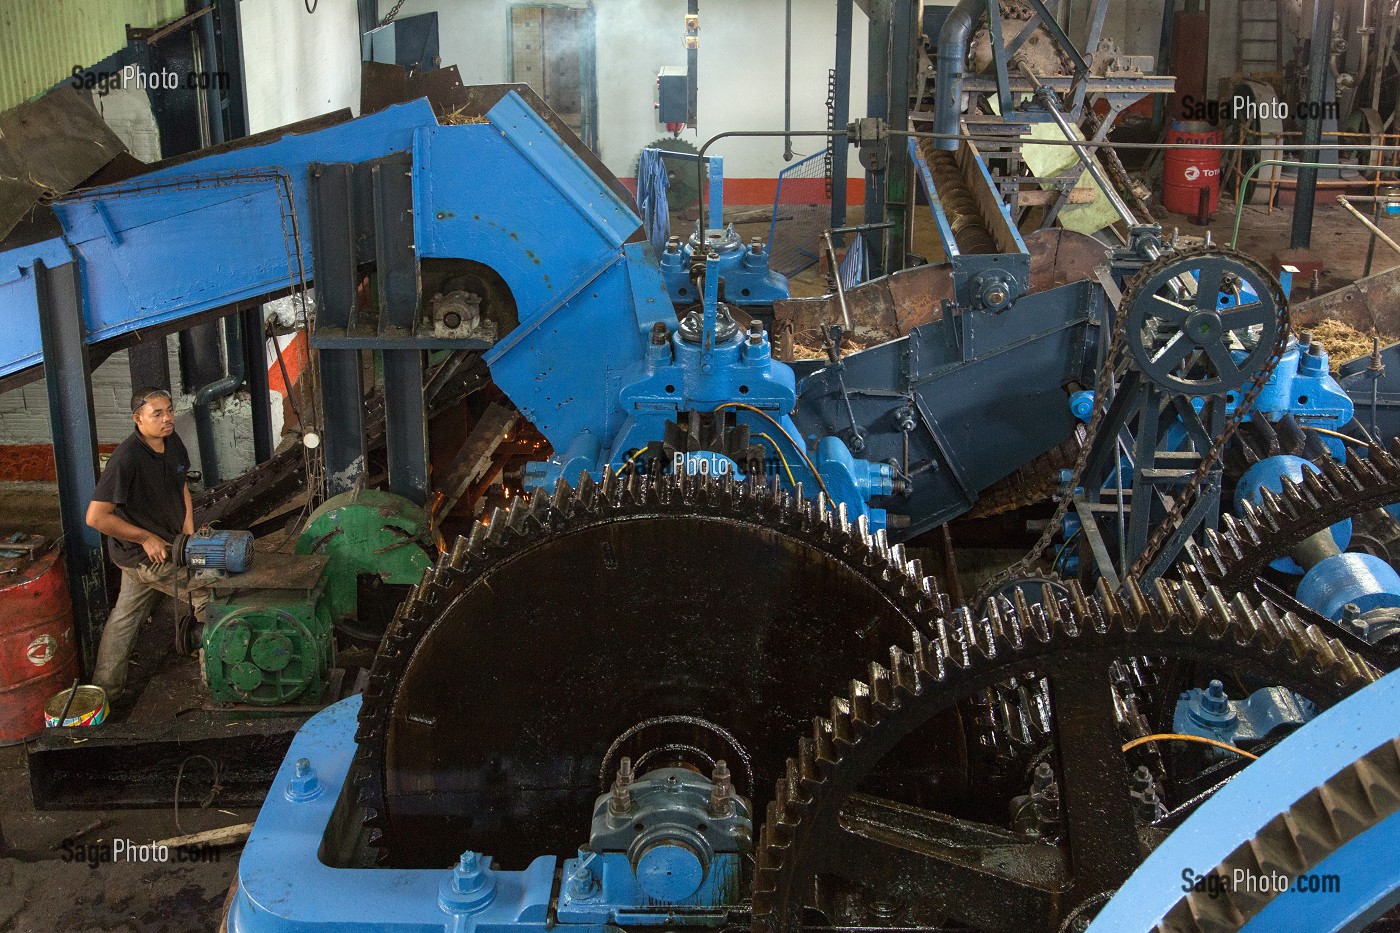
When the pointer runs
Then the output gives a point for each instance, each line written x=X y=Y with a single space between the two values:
x=672 y=96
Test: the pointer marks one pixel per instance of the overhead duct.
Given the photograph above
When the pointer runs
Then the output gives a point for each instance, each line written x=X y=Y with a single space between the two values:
x=953 y=41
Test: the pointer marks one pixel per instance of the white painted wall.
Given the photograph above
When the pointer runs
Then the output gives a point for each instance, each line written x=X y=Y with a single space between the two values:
x=299 y=64
x=741 y=69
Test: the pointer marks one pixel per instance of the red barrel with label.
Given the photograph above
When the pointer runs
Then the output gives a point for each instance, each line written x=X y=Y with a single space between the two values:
x=1186 y=172
x=37 y=653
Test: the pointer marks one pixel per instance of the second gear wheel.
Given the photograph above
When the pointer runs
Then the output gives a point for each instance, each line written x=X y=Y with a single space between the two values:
x=1185 y=338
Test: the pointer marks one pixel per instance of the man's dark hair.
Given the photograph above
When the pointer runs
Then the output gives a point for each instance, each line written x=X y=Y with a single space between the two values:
x=142 y=396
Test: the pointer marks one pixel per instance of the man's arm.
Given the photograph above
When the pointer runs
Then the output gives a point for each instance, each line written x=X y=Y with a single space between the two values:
x=188 y=527
x=103 y=517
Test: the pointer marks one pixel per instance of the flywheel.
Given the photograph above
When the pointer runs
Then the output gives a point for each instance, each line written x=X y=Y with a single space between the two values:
x=675 y=620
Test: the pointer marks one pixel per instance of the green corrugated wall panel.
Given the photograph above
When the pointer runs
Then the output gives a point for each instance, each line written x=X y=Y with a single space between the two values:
x=41 y=40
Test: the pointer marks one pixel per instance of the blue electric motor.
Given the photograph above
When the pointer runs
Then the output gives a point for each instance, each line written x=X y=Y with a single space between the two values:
x=222 y=551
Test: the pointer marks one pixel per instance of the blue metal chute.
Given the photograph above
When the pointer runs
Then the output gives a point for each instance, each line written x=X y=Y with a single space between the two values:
x=652 y=183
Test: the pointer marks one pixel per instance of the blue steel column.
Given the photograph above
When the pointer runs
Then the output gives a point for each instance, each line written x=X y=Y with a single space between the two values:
x=68 y=377
x=342 y=383
x=841 y=113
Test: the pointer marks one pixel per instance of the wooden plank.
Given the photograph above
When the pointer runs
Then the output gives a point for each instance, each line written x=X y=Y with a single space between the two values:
x=474 y=458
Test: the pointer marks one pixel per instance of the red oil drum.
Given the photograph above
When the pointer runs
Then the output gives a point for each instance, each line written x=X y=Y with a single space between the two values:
x=1187 y=171
x=37 y=653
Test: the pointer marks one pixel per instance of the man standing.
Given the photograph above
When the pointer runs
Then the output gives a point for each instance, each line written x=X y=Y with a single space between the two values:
x=141 y=503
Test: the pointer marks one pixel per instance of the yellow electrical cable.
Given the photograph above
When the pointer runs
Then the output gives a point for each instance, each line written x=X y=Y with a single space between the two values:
x=1178 y=737
x=1337 y=434
x=779 y=451
x=795 y=445
x=628 y=462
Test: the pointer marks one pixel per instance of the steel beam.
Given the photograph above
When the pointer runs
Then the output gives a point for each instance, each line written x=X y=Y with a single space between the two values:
x=68 y=377
x=342 y=383
x=841 y=112
x=149 y=364
x=1318 y=49
x=406 y=424
x=877 y=106
x=255 y=373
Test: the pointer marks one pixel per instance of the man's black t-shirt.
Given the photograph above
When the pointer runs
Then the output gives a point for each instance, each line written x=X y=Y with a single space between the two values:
x=148 y=489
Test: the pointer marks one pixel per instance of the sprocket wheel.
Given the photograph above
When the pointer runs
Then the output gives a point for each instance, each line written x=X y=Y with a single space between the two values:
x=720 y=611
x=1184 y=340
x=836 y=845
x=681 y=194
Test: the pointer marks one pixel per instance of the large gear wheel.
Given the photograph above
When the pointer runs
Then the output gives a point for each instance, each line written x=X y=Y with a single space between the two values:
x=1181 y=336
x=839 y=845
x=705 y=610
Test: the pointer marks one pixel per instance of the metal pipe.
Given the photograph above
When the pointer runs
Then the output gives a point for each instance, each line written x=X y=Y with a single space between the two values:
x=1379 y=233
x=1046 y=98
x=953 y=40
x=787 y=83
x=214 y=110
x=840 y=286
x=206 y=395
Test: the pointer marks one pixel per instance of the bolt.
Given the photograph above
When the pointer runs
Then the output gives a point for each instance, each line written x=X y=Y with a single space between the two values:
x=712 y=256
x=1141 y=779
x=721 y=790
x=621 y=800
x=673 y=245
x=467 y=877
x=1044 y=777
x=1305 y=339
x=659 y=334
x=755 y=332
x=583 y=884
x=1351 y=614
x=1375 y=364
x=756 y=246
x=305 y=785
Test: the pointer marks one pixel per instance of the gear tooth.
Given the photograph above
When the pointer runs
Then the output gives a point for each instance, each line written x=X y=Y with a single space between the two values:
x=1189 y=601
x=1292 y=495
x=461 y=553
x=881 y=689
x=807 y=765
x=823 y=743
x=1051 y=602
x=1135 y=607
x=586 y=488
x=1315 y=487
x=861 y=706
x=1078 y=600
x=841 y=731
x=904 y=676
x=1273 y=506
